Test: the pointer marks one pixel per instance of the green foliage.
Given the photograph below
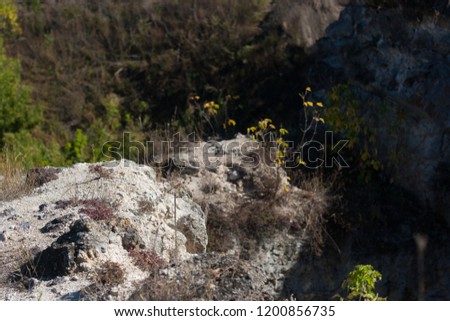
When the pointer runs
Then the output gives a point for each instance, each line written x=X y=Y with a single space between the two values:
x=34 y=147
x=152 y=56
x=8 y=17
x=76 y=150
x=111 y=104
x=113 y=66
x=348 y=116
x=35 y=5
x=360 y=283
x=17 y=110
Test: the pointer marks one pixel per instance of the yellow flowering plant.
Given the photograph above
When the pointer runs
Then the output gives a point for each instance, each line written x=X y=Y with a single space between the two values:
x=212 y=113
x=266 y=132
x=312 y=117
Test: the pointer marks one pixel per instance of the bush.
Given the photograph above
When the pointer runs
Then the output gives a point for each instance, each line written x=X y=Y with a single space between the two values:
x=17 y=110
x=356 y=121
x=360 y=284
x=110 y=274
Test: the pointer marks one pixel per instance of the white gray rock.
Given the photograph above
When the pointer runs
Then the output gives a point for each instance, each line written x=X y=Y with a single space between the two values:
x=141 y=204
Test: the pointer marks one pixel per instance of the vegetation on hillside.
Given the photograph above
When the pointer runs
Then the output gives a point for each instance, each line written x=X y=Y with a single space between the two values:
x=103 y=68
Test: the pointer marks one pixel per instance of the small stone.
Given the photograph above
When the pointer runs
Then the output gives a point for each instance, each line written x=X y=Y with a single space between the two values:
x=234 y=176
x=55 y=291
x=12 y=217
x=51 y=283
x=74 y=278
x=42 y=207
x=3 y=237
x=85 y=267
x=7 y=213
x=25 y=226
x=31 y=283
x=82 y=257
x=56 y=224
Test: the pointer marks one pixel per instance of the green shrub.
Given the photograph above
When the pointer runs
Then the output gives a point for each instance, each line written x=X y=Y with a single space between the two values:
x=360 y=284
x=17 y=110
x=76 y=150
x=35 y=148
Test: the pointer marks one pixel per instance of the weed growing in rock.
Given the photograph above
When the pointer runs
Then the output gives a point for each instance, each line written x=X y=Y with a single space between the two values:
x=265 y=132
x=96 y=209
x=147 y=260
x=211 y=116
x=360 y=284
x=100 y=171
x=110 y=274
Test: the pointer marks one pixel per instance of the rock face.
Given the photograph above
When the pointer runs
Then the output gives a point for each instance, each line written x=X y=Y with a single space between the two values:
x=252 y=210
x=80 y=218
x=395 y=56
x=108 y=226
x=306 y=21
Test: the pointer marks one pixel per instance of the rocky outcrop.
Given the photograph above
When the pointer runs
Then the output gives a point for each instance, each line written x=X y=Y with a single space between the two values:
x=252 y=210
x=79 y=218
x=110 y=226
x=395 y=56
x=306 y=21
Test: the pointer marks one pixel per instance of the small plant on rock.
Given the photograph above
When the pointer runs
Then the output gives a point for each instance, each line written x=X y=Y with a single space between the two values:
x=96 y=209
x=210 y=116
x=360 y=284
x=147 y=260
x=110 y=274
x=100 y=171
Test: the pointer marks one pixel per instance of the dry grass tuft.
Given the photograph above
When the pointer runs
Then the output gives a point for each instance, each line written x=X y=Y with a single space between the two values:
x=209 y=277
x=110 y=274
x=272 y=211
x=13 y=182
x=100 y=171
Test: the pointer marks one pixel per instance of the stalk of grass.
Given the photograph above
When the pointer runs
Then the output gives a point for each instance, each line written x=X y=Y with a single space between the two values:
x=13 y=182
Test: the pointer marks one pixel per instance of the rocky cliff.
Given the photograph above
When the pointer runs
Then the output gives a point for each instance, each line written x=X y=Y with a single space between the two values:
x=395 y=57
